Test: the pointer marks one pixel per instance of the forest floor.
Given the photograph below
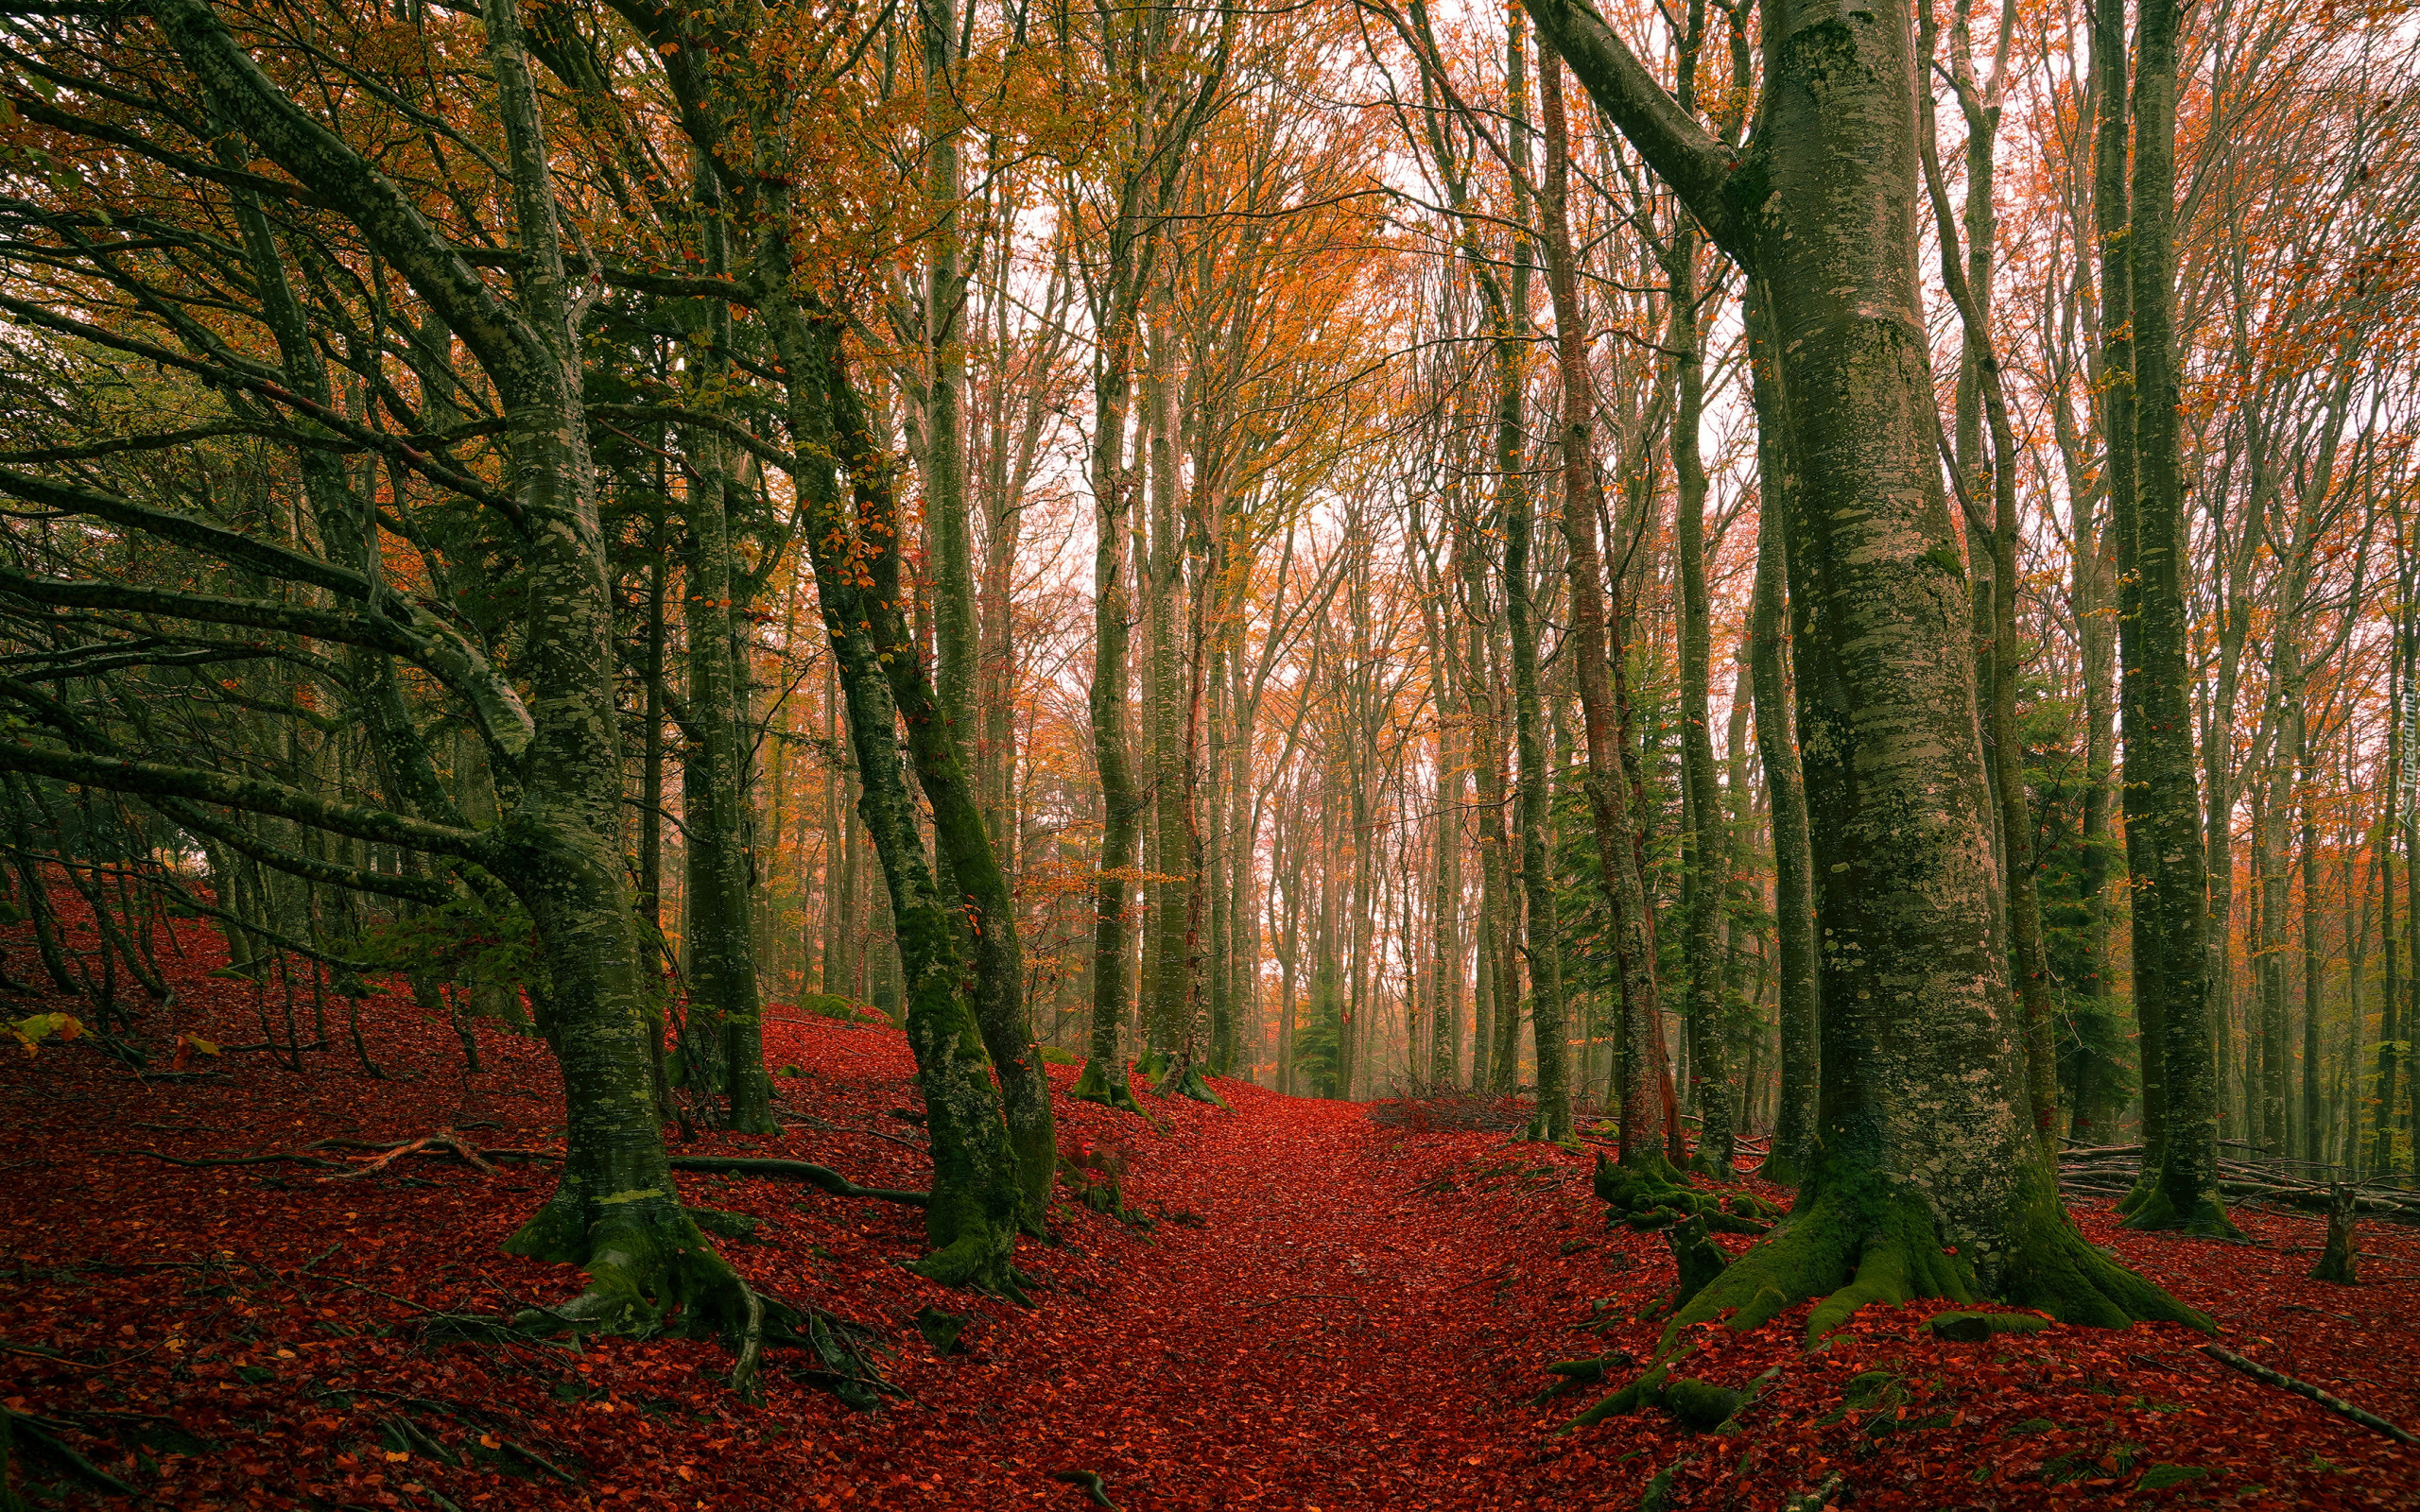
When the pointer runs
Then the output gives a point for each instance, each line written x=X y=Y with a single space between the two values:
x=1325 y=1314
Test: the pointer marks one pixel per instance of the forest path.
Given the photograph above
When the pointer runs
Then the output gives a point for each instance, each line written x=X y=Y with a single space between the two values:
x=1323 y=1340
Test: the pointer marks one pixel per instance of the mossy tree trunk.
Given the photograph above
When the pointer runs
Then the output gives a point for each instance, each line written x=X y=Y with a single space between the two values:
x=1929 y=1179
x=727 y=1036
x=2112 y=221
x=2162 y=797
x=854 y=542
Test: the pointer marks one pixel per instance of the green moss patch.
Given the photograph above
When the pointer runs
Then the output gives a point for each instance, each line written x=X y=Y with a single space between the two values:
x=2160 y=1477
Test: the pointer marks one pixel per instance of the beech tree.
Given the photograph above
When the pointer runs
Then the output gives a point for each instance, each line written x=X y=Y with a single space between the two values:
x=1930 y=1181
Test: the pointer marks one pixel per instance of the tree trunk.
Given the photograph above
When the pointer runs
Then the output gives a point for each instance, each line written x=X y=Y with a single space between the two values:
x=2312 y=1144
x=1706 y=843
x=1647 y=1112
x=2112 y=221
x=1793 y=1156
x=1927 y=1144
x=2162 y=797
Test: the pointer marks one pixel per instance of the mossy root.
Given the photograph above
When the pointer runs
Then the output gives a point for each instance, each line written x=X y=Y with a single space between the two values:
x=1872 y=1238
x=1974 y=1327
x=1700 y=1406
x=652 y=1272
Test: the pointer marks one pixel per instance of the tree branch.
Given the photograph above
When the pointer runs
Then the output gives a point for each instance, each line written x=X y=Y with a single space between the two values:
x=258 y=795
x=1682 y=153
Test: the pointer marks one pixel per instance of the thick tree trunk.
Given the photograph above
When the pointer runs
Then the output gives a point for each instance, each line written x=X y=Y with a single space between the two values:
x=1931 y=1181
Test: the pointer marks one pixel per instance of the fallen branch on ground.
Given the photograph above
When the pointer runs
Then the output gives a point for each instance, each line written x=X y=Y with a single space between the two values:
x=447 y=1144
x=2303 y=1388
x=234 y=1159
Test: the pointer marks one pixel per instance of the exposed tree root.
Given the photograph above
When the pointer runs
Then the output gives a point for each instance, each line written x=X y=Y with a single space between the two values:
x=17 y=1425
x=1974 y=1327
x=450 y=1144
x=1091 y=1485
x=444 y=1142
x=821 y=1176
x=1696 y=1257
x=1700 y=1406
x=236 y=1159
x=2303 y=1388
x=652 y=1272
x=1658 y=1495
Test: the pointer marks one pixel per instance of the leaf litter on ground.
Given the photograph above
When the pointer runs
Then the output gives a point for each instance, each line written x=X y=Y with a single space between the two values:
x=1343 y=1312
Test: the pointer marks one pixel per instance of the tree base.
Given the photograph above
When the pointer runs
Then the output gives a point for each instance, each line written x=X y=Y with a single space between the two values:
x=1712 y=1168
x=1183 y=1078
x=1782 y=1170
x=650 y=1272
x=2157 y=1212
x=1872 y=1238
x=2340 y=1262
x=1095 y=1084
